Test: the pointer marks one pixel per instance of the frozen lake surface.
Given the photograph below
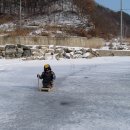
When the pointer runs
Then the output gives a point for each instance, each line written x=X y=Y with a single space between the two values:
x=89 y=94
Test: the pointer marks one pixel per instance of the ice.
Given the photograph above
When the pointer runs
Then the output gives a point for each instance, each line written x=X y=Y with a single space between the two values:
x=90 y=94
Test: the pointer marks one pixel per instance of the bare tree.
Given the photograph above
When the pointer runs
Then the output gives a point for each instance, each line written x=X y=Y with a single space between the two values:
x=39 y=6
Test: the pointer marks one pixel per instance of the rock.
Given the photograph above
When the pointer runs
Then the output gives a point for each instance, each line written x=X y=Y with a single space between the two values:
x=2 y=48
x=10 y=56
x=35 y=50
x=36 y=54
x=10 y=46
x=20 y=50
x=44 y=46
x=67 y=50
x=90 y=56
x=1 y=53
x=50 y=50
x=57 y=57
x=52 y=47
x=95 y=53
x=67 y=55
x=10 y=50
x=86 y=55
x=77 y=56
x=18 y=55
x=23 y=46
x=79 y=52
x=19 y=45
x=44 y=50
x=27 y=53
x=41 y=58
x=48 y=56
x=37 y=47
x=83 y=50
x=72 y=55
x=59 y=50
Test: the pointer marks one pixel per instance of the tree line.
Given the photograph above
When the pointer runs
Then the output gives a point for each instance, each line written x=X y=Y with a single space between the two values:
x=41 y=6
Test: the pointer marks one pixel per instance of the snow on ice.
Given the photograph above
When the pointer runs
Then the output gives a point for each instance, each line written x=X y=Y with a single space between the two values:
x=90 y=94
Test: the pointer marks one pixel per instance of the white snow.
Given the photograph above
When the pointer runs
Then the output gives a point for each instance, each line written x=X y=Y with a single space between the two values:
x=7 y=26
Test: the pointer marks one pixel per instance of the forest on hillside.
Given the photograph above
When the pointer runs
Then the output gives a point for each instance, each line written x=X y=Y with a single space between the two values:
x=106 y=21
x=30 y=7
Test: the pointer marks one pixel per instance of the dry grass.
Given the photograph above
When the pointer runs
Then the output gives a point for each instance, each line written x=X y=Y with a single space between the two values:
x=95 y=43
x=76 y=31
x=44 y=34
x=2 y=32
x=5 y=19
x=53 y=28
x=20 y=32
x=128 y=40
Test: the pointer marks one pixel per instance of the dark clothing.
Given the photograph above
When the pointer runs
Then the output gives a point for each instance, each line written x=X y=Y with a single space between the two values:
x=47 y=77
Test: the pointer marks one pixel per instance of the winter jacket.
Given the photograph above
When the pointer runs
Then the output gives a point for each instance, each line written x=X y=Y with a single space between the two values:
x=47 y=76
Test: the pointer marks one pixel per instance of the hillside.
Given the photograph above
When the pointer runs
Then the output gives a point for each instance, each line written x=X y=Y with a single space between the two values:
x=107 y=22
x=61 y=18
